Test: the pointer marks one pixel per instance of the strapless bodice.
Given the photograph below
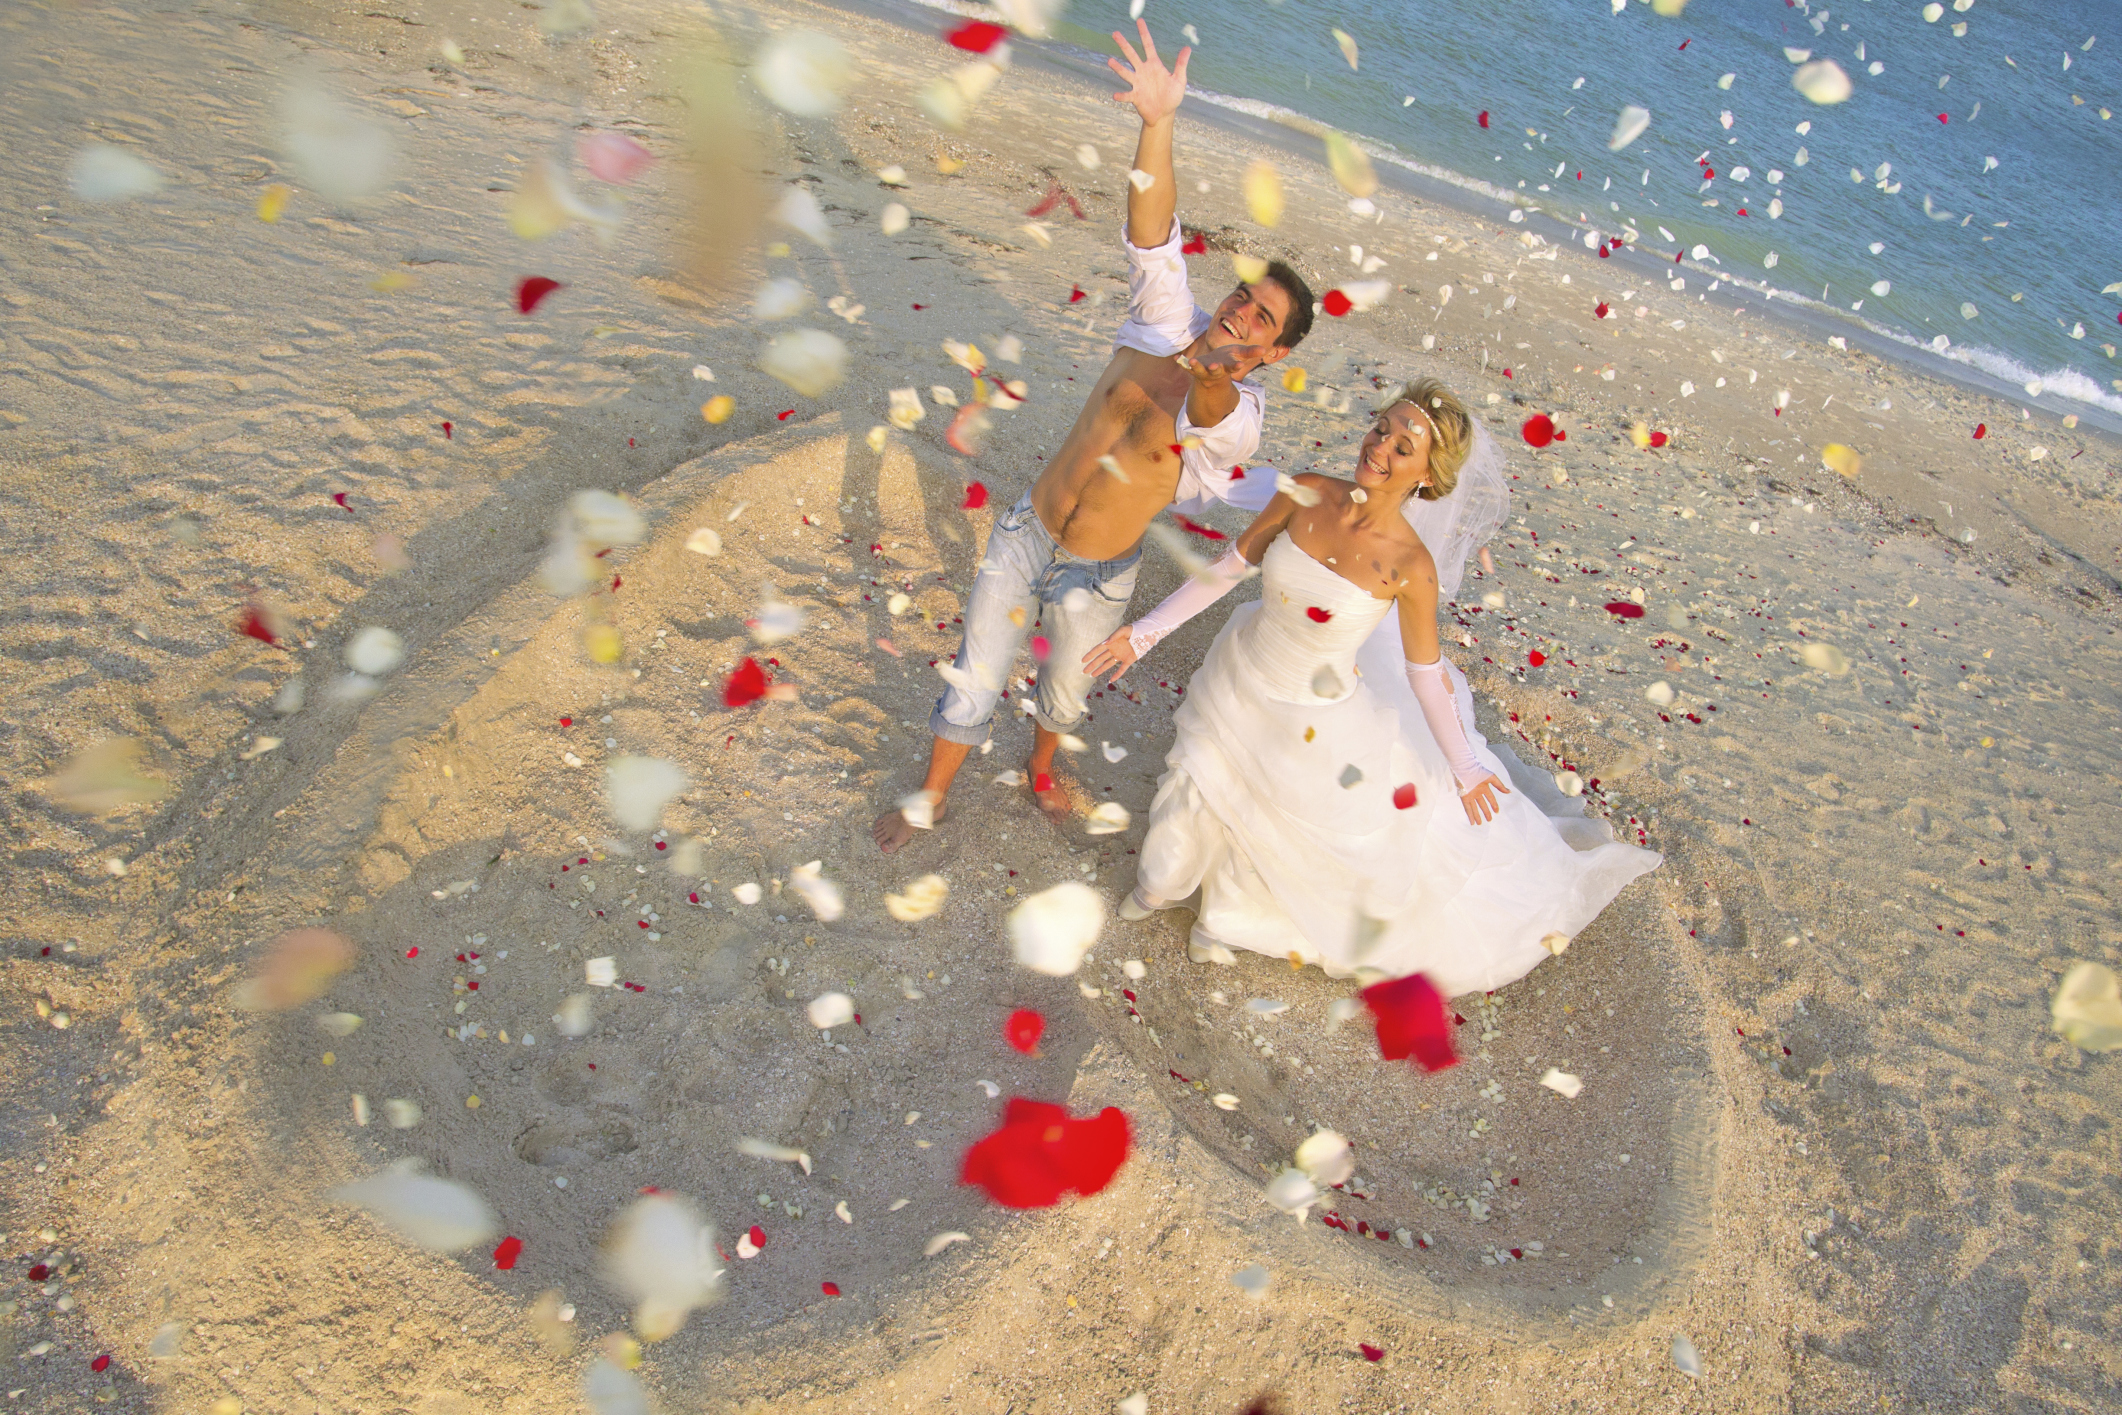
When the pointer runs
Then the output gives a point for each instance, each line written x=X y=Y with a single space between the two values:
x=1302 y=642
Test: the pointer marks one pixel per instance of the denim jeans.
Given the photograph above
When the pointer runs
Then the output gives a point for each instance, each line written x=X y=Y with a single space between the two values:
x=1077 y=602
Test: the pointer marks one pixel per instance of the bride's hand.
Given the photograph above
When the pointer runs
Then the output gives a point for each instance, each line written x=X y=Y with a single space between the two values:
x=1480 y=801
x=1116 y=655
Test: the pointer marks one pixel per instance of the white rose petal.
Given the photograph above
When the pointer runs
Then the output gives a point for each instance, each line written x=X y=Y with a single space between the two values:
x=821 y=894
x=746 y=893
x=437 y=1214
x=830 y=1009
x=1628 y=127
x=636 y=790
x=2087 y=1010
x=803 y=72
x=1108 y=818
x=100 y=172
x=923 y=899
x=374 y=651
x=1562 y=1083
x=1327 y=1158
x=661 y=1253
x=808 y=360
x=1052 y=930
x=894 y=218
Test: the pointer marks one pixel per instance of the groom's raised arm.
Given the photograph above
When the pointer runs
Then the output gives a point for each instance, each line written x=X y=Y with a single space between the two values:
x=1155 y=93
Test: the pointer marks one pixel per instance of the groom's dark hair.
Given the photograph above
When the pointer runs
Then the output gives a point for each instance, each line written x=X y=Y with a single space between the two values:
x=1299 y=322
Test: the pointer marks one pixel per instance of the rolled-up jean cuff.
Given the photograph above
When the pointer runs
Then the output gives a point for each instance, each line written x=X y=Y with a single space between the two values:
x=950 y=731
x=1057 y=727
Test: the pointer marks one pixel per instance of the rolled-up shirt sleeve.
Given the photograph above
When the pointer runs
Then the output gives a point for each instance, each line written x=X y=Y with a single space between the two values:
x=1212 y=459
x=1162 y=317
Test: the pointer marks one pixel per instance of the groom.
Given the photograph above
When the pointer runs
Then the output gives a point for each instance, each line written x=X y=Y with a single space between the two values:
x=1169 y=423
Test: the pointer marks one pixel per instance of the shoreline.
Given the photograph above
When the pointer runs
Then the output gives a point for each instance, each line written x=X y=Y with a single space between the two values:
x=1287 y=129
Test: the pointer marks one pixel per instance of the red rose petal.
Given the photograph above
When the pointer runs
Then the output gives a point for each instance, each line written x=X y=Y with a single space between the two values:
x=1943 y=119
x=39 y=1272
x=1197 y=245
x=746 y=685
x=1205 y=532
x=1371 y=1353
x=1659 y=439
x=507 y=1251
x=1483 y=119
x=1506 y=373
x=1404 y=796
x=1318 y=615
x=975 y=497
x=1561 y=436
x=1602 y=311
x=339 y=500
x=449 y=432
x=532 y=290
x=100 y=1364
x=1023 y=1029
x=784 y=415
x=252 y=625
x=1337 y=304
x=1536 y=658
x=1410 y=1016
x=757 y=1236
x=1539 y=429
x=1075 y=293
x=830 y=1289
x=976 y=36
x=1981 y=431
x=1041 y=1152
x=1623 y=609
x=1042 y=783
x=1042 y=647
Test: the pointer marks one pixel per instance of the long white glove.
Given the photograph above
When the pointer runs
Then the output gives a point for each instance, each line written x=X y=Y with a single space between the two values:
x=1433 y=690
x=1200 y=591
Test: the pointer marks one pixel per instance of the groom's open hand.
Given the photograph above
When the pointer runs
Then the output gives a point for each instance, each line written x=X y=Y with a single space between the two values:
x=1153 y=90
x=1116 y=655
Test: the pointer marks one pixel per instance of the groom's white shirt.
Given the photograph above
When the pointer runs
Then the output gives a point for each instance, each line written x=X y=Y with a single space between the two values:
x=1162 y=319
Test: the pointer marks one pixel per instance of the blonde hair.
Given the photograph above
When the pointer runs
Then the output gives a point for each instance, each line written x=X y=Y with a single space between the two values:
x=1452 y=432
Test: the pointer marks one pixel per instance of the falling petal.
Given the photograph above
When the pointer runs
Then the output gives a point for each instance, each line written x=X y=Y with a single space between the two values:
x=661 y=1253
x=1263 y=193
x=102 y=173
x=808 y=360
x=1041 y=1152
x=1052 y=930
x=1326 y=1158
x=780 y=298
x=374 y=651
x=1351 y=168
x=1628 y=127
x=299 y=968
x=800 y=212
x=437 y=1214
x=894 y=218
x=335 y=152
x=1685 y=1360
x=1822 y=81
x=637 y=789
x=1838 y=458
x=611 y=1390
x=1562 y=1083
x=104 y=778
x=2087 y=1010
x=613 y=157
x=804 y=72
x=831 y=1009
x=923 y=899
x=1108 y=818
x=821 y=894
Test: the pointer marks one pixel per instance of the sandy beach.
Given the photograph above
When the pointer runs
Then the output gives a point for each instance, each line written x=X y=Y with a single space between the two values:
x=1869 y=716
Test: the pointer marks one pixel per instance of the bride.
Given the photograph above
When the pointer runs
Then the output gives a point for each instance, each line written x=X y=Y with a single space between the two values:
x=1327 y=793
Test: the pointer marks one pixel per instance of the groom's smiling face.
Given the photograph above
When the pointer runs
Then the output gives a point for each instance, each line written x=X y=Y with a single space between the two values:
x=1254 y=314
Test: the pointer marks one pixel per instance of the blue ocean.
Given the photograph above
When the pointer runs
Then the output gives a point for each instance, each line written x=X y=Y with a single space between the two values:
x=1964 y=191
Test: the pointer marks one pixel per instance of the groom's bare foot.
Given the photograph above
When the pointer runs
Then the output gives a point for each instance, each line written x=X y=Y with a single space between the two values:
x=1053 y=801
x=893 y=829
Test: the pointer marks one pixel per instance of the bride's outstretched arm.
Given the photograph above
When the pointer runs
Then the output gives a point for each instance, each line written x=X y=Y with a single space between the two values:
x=1433 y=690
x=1202 y=589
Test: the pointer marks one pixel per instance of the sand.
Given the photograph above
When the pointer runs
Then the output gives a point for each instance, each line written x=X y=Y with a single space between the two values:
x=1825 y=1132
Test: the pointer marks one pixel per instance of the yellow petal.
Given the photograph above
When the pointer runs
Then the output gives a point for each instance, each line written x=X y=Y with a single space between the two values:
x=1351 y=166
x=1838 y=458
x=1249 y=267
x=272 y=201
x=1263 y=193
x=718 y=408
x=1293 y=379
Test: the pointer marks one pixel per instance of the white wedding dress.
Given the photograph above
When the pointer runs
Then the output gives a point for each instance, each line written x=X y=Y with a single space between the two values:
x=1278 y=804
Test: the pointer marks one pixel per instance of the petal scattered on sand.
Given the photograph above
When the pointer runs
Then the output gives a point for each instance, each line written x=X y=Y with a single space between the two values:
x=922 y=899
x=1052 y=930
x=1685 y=1359
x=810 y=361
x=298 y=969
x=705 y=541
x=576 y=1015
x=102 y=173
x=661 y=1253
x=2087 y=1010
x=1628 y=127
x=779 y=1154
x=401 y=1113
x=941 y=1241
x=1562 y=1083
x=105 y=777
x=637 y=789
x=804 y=72
x=437 y=1214
x=830 y=1009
